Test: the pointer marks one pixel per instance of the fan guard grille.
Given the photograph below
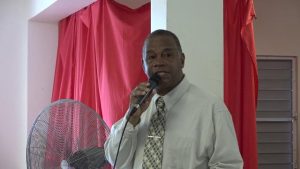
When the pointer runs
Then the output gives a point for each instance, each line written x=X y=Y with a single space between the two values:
x=63 y=128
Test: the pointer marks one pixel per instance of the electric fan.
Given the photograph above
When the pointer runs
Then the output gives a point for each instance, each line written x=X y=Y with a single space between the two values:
x=67 y=135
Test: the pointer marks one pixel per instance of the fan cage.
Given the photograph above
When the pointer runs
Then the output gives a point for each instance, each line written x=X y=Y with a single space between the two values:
x=62 y=129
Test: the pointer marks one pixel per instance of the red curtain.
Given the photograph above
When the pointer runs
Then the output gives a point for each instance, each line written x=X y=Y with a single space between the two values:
x=240 y=75
x=99 y=56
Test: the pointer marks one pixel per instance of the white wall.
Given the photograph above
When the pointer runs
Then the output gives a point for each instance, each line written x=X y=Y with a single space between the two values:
x=277 y=27
x=13 y=65
x=158 y=14
x=200 y=30
x=42 y=50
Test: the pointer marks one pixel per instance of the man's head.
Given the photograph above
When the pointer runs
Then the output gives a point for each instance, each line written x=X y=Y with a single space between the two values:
x=162 y=55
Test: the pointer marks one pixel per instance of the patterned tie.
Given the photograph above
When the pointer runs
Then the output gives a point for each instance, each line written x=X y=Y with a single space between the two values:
x=153 y=151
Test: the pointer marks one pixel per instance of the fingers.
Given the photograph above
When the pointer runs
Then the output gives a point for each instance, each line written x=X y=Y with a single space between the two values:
x=140 y=90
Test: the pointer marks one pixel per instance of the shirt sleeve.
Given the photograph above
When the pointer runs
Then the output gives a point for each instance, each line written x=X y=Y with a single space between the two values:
x=225 y=152
x=128 y=145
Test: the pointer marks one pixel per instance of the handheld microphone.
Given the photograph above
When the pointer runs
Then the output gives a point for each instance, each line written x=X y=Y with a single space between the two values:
x=153 y=80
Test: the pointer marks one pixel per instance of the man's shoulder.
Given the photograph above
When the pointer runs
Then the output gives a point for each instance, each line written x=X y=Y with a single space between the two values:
x=199 y=96
x=199 y=92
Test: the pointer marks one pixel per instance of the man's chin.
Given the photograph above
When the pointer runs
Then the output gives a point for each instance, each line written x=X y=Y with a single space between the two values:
x=162 y=84
x=162 y=88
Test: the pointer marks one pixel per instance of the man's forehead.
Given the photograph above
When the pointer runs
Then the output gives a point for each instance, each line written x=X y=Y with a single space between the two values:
x=161 y=48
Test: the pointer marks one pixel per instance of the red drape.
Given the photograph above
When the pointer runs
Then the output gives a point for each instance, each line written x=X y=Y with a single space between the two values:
x=99 y=56
x=240 y=75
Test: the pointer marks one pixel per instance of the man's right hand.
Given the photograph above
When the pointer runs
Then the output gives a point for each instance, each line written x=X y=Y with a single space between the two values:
x=137 y=92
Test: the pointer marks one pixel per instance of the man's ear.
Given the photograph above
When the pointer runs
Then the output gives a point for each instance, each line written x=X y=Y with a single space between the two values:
x=182 y=60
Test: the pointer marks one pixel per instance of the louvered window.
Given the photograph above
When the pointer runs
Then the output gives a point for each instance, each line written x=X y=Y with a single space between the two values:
x=276 y=123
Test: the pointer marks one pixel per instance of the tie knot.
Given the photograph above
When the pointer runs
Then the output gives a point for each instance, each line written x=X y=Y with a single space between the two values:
x=160 y=104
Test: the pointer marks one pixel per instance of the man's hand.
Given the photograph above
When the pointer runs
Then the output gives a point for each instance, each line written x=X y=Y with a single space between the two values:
x=137 y=92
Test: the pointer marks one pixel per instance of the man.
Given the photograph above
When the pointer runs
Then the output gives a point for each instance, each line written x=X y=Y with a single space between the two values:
x=197 y=130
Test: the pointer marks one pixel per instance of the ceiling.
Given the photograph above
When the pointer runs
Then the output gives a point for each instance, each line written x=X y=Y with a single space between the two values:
x=133 y=4
x=60 y=9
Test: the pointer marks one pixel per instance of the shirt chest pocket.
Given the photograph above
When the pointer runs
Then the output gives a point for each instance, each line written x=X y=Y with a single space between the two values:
x=179 y=153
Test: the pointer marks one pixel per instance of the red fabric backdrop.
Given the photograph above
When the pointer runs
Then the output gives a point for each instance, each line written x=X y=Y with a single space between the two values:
x=240 y=75
x=99 y=56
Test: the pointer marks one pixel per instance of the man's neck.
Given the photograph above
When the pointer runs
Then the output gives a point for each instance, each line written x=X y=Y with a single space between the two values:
x=167 y=90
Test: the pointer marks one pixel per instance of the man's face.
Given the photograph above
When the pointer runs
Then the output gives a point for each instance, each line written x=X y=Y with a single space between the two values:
x=161 y=56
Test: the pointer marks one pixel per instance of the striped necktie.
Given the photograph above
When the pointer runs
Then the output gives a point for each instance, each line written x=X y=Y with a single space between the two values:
x=153 y=151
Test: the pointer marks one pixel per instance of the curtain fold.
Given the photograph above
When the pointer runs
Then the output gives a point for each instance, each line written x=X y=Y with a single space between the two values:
x=99 y=56
x=240 y=75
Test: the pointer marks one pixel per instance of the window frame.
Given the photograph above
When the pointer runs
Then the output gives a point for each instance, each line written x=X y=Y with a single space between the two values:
x=294 y=107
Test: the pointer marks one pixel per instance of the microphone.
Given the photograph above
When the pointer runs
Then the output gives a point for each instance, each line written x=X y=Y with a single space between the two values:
x=154 y=81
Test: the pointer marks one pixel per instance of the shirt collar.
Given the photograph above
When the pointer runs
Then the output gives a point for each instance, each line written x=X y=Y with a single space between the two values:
x=175 y=94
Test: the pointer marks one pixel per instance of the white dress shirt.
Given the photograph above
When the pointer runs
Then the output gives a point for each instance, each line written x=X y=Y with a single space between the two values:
x=199 y=133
